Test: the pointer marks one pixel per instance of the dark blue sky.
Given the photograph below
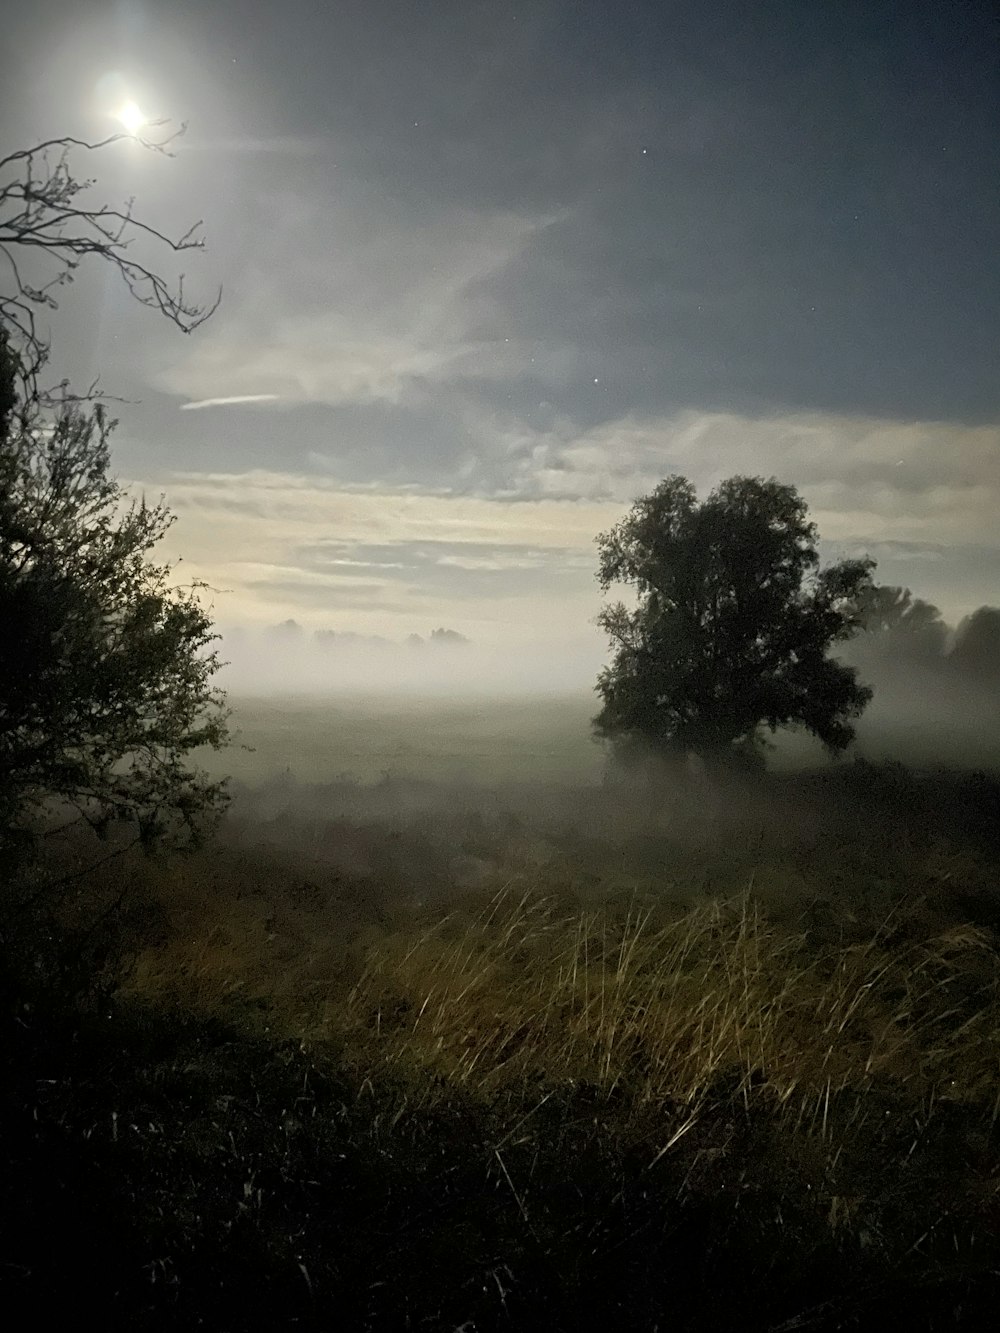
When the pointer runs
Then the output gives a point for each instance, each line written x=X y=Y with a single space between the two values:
x=531 y=253
x=815 y=221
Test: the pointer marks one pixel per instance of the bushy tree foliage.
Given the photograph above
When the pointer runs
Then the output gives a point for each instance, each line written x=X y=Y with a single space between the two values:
x=895 y=624
x=105 y=667
x=733 y=624
x=975 y=655
x=898 y=632
x=447 y=637
x=901 y=642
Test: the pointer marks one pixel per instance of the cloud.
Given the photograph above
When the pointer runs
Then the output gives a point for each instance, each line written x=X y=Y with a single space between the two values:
x=462 y=571
x=286 y=145
x=511 y=542
x=387 y=312
x=378 y=561
x=910 y=481
x=232 y=400
x=328 y=596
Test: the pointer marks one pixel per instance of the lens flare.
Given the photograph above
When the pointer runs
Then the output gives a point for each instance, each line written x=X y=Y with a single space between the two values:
x=131 y=117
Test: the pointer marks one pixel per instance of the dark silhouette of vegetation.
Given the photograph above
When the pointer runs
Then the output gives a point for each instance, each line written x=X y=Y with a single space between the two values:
x=105 y=674
x=976 y=651
x=105 y=681
x=916 y=664
x=289 y=629
x=895 y=624
x=332 y=638
x=47 y=230
x=733 y=627
x=447 y=637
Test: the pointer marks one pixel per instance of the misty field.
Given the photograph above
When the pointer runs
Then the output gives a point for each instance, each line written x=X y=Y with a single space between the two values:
x=544 y=738
x=478 y=740
x=442 y=1030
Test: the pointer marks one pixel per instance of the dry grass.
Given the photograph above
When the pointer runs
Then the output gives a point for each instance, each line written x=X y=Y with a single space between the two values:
x=643 y=1003
x=560 y=1065
x=538 y=972
x=664 y=1009
x=673 y=1024
x=543 y=977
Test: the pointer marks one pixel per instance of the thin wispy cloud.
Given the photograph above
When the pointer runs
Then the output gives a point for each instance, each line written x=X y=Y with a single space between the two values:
x=395 y=310
x=233 y=400
x=288 y=145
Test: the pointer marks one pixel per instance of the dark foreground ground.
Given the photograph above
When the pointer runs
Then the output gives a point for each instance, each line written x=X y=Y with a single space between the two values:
x=270 y=1089
x=179 y=1176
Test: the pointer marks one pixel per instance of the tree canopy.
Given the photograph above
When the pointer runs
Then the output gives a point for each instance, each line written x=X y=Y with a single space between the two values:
x=732 y=626
x=896 y=624
x=105 y=665
x=105 y=681
x=976 y=652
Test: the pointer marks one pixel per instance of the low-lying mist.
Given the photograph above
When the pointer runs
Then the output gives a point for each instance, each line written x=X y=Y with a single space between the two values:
x=415 y=770
x=289 y=660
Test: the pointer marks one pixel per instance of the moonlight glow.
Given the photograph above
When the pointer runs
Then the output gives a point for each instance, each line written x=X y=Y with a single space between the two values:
x=131 y=117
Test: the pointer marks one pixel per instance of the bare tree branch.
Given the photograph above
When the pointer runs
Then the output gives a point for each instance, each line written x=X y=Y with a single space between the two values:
x=41 y=213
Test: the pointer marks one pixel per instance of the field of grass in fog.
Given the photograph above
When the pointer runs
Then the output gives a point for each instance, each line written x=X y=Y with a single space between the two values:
x=543 y=738
x=445 y=1006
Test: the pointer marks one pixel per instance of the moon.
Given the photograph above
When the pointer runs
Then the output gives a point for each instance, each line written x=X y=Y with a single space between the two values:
x=131 y=117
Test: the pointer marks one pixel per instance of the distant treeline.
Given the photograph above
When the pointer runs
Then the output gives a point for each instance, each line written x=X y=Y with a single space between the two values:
x=902 y=632
x=292 y=631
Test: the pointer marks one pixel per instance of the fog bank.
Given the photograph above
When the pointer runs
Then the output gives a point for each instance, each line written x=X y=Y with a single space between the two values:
x=288 y=659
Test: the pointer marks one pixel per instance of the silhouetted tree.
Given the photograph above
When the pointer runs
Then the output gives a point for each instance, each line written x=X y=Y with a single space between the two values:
x=447 y=637
x=895 y=625
x=48 y=229
x=105 y=668
x=732 y=627
x=975 y=654
x=105 y=684
x=332 y=638
x=289 y=630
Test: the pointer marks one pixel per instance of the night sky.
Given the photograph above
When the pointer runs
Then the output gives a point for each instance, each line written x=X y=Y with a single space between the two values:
x=492 y=270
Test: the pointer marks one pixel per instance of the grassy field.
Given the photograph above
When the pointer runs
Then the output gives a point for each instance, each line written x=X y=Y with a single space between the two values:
x=366 y=737
x=441 y=1032
x=532 y=739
